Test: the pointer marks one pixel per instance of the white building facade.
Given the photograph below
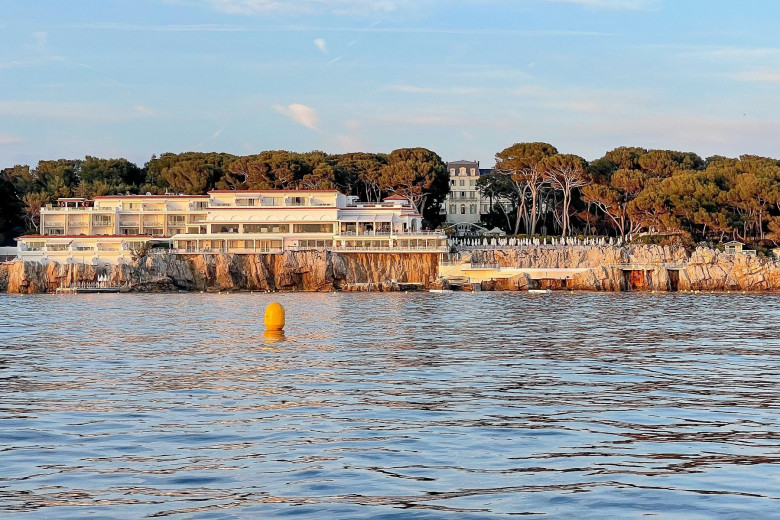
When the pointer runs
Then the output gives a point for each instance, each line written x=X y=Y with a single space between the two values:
x=109 y=229
x=464 y=205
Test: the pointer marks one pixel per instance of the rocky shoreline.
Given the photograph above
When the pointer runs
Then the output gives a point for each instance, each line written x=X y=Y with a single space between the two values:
x=291 y=271
x=609 y=268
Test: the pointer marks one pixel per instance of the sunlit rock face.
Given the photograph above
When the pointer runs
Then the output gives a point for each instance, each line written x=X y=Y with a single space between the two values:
x=609 y=268
x=613 y=268
x=291 y=271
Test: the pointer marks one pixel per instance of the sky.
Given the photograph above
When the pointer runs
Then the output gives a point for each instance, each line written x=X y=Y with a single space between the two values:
x=466 y=79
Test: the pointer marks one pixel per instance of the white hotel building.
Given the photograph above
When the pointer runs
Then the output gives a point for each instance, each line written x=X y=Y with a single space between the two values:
x=107 y=229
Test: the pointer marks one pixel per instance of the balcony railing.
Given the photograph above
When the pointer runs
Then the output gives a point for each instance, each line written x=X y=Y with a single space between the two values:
x=387 y=249
x=439 y=234
x=236 y=250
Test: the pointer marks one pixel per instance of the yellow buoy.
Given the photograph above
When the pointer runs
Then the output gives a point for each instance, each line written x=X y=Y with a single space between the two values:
x=274 y=317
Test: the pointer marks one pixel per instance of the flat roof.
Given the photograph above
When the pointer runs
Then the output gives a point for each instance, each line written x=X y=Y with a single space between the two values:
x=151 y=196
x=238 y=192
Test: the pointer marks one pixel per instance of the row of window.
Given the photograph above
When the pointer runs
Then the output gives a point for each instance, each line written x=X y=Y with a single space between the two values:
x=462 y=182
x=462 y=171
x=273 y=228
x=472 y=209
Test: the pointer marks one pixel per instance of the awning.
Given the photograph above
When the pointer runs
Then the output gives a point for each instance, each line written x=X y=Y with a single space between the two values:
x=369 y=218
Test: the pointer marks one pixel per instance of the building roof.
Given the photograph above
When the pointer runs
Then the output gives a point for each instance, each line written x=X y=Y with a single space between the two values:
x=151 y=196
x=462 y=161
x=238 y=192
x=396 y=197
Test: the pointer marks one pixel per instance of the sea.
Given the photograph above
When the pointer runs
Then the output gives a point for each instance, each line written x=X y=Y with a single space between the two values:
x=390 y=405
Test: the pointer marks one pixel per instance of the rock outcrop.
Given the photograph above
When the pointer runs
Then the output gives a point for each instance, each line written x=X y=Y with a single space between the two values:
x=291 y=271
x=607 y=268
x=645 y=267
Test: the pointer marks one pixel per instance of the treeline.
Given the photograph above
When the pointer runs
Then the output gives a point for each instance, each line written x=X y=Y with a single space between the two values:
x=533 y=189
x=635 y=190
x=416 y=173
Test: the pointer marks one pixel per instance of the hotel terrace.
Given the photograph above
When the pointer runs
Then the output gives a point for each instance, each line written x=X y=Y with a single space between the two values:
x=108 y=229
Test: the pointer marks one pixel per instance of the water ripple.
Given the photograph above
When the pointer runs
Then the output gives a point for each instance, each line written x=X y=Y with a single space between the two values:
x=390 y=406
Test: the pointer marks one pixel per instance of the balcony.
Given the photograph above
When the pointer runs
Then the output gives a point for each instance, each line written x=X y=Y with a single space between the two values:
x=235 y=250
x=386 y=249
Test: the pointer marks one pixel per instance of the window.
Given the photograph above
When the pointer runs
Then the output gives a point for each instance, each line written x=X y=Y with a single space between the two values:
x=453 y=209
x=452 y=171
x=485 y=208
x=246 y=202
x=265 y=246
x=462 y=182
x=224 y=228
x=472 y=195
x=473 y=171
x=201 y=204
x=462 y=209
x=266 y=228
x=473 y=209
x=463 y=170
x=312 y=228
x=313 y=244
x=462 y=194
x=297 y=201
x=452 y=182
x=473 y=182
x=57 y=247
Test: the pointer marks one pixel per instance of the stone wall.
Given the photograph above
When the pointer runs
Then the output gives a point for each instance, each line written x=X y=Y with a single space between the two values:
x=613 y=268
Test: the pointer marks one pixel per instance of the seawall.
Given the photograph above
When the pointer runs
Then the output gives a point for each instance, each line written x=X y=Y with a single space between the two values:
x=637 y=267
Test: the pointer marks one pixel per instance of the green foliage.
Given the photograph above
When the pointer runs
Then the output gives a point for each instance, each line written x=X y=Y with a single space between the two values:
x=10 y=210
x=419 y=175
x=627 y=191
x=191 y=173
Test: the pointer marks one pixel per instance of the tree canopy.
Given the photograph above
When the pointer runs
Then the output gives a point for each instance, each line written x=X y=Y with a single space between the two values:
x=626 y=191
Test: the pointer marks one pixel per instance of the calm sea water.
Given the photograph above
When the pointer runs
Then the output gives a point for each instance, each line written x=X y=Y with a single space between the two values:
x=390 y=406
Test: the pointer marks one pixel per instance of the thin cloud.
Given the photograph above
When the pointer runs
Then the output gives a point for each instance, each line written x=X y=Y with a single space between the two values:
x=758 y=76
x=95 y=112
x=145 y=111
x=211 y=138
x=348 y=7
x=438 y=30
x=8 y=139
x=114 y=26
x=300 y=114
x=414 y=89
x=623 y=5
x=321 y=45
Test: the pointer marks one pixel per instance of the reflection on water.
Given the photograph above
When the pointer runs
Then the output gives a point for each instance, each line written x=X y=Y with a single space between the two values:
x=390 y=405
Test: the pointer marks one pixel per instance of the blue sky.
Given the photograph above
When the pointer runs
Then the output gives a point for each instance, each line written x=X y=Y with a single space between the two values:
x=133 y=78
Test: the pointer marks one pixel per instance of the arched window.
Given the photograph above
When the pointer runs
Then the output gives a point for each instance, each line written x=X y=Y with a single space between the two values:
x=463 y=209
